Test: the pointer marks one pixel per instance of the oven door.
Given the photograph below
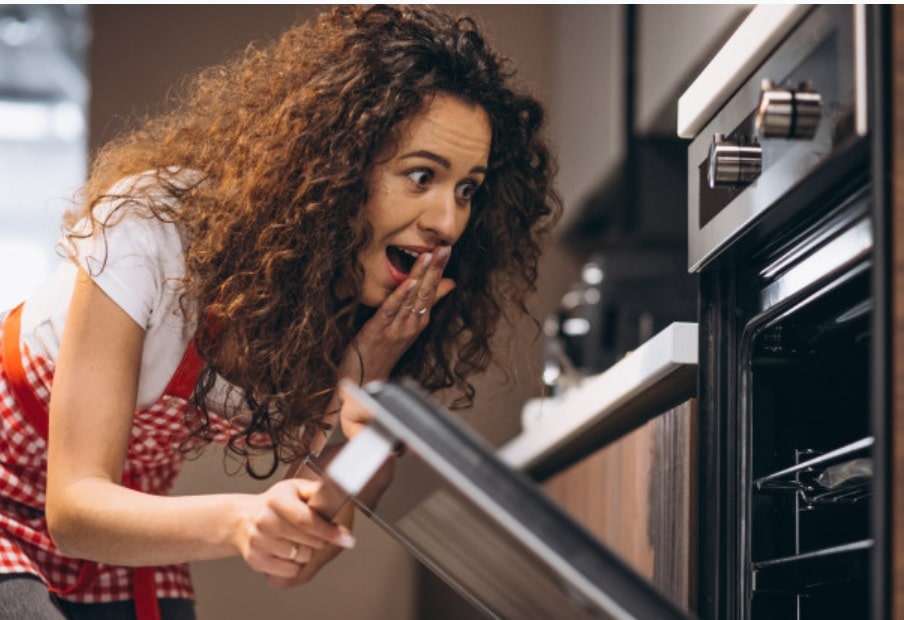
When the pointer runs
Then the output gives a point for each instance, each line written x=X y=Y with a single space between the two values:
x=484 y=528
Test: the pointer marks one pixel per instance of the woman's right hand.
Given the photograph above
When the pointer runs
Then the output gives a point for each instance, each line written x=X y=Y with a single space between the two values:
x=399 y=320
x=278 y=532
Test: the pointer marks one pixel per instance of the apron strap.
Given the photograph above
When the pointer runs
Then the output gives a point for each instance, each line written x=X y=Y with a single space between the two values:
x=144 y=591
x=32 y=408
x=182 y=383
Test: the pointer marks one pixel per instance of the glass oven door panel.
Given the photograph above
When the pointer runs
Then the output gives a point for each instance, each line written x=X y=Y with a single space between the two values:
x=486 y=529
x=811 y=454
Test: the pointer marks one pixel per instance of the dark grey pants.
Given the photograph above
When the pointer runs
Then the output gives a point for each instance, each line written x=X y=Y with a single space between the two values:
x=25 y=597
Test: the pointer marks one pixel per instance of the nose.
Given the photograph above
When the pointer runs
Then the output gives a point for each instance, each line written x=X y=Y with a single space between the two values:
x=444 y=218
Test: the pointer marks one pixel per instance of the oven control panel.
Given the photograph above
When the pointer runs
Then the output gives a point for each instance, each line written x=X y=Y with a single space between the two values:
x=799 y=110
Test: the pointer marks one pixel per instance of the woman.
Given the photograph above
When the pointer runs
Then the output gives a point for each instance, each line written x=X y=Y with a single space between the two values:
x=358 y=200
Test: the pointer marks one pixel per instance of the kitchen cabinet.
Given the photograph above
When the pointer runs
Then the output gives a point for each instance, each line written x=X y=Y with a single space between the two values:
x=638 y=496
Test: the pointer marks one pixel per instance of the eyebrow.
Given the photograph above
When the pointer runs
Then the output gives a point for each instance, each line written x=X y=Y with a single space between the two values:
x=439 y=159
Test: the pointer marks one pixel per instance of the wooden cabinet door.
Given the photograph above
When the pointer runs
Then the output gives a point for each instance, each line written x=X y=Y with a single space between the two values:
x=638 y=496
x=897 y=249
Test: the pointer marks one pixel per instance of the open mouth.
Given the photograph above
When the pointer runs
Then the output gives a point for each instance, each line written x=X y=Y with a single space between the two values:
x=401 y=259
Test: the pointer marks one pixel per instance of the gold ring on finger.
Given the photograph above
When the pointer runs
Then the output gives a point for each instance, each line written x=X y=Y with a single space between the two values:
x=419 y=311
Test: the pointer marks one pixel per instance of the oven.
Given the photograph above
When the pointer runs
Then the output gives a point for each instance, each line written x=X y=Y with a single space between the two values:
x=784 y=202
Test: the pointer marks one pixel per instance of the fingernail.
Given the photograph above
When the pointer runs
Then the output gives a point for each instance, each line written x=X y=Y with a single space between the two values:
x=428 y=258
x=444 y=252
x=344 y=540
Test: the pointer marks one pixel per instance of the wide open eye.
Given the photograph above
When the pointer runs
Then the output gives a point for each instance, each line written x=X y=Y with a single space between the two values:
x=466 y=190
x=421 y=176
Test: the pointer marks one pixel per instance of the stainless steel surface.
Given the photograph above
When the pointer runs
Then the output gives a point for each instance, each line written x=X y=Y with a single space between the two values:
x=821 y=51
x=860 y=70
x=753 y=41
x=788 y=113
x=850 y=246
x=486 y=529
x=792 y=326
x=356 y=464
x=732 y=164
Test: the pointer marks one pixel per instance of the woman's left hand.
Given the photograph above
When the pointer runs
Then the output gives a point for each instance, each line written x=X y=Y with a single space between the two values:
x=399 y=320
x=318 y=558
x=369 y=496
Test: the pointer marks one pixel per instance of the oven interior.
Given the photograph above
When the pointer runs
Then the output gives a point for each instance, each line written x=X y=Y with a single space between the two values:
x=810 y=457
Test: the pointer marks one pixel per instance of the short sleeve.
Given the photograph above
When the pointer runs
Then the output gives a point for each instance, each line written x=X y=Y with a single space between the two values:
x=135 y=259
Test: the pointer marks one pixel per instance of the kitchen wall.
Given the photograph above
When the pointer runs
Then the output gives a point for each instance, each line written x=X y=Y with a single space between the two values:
x=674 y=43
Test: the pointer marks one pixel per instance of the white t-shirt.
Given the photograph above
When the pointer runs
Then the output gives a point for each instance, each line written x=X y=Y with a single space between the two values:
x=137 y=262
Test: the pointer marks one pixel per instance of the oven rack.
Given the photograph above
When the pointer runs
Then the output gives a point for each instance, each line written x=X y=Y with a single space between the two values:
x=807 y=572
x=841 y=476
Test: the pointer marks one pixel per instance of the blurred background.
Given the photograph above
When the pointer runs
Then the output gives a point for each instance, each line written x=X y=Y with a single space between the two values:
x=71 y=75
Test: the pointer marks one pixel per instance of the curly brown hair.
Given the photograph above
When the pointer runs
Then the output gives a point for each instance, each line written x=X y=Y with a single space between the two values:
x=285 y=137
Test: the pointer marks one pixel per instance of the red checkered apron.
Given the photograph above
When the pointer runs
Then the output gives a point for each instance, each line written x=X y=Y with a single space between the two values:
x=151 y=466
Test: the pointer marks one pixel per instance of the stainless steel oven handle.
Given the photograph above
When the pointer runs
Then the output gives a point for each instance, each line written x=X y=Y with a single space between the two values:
x=861 y=111
x=850 y=246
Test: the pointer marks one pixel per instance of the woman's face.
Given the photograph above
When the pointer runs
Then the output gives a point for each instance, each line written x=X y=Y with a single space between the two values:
x=420 y=198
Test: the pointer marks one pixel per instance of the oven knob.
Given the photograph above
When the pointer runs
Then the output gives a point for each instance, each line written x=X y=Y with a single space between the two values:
x=787 y=113
x=732 y=164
